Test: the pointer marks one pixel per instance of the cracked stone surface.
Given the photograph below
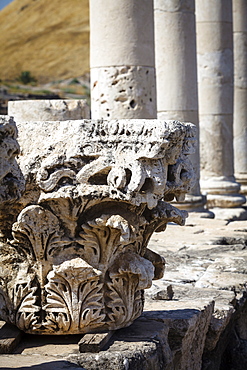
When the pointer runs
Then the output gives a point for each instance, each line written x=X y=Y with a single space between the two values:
x=165 y=336
x=194 y=316
x=123 y=91
x=48 y=110
x=75 y=259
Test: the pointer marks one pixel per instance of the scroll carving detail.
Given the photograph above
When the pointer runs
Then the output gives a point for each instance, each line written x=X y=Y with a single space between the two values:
x=95 y=192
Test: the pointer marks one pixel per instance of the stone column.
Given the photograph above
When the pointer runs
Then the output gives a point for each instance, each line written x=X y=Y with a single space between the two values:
x=122 y=59
x=215 y=82
x=176 y=70
x=48 y=110
x=240 y=92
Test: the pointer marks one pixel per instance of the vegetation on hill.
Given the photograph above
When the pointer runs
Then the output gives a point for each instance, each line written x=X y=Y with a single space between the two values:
x=47 y=38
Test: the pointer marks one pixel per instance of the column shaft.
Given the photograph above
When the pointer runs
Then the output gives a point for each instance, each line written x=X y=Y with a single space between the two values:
x=122 y=59
x=240 y=92
x=176 y=70
x=215 y=81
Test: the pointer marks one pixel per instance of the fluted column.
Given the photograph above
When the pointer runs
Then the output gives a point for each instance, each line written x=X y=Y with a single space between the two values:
x=176 y=71
x=215 y=81
x=240 y=92
x=122 y=59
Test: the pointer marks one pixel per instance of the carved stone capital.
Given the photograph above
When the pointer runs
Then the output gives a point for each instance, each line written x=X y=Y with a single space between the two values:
x=95 y=192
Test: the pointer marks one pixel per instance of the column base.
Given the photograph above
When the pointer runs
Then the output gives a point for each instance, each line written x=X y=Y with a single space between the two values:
x=194 y=204
x=222 y=193
x=225 y=200
x=230 y=214
x=241 y=178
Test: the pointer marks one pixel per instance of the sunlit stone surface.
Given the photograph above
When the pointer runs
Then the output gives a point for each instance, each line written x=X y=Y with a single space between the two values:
x=77 y=260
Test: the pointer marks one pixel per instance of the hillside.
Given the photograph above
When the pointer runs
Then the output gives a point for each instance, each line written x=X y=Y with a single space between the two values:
x=49 y=38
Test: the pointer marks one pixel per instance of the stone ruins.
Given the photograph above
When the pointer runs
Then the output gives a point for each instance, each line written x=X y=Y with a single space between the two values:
x=82 y=192
x=78 y=260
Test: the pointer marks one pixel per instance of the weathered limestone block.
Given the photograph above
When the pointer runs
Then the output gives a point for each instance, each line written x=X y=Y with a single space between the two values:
x=48 y=110
x=122 y=61
x=11 y=179
x=121 y=92
x=159 y=339
x=95 y=192
x=10 y=176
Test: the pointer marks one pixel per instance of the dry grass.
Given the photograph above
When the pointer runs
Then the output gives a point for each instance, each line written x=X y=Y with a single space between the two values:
x=49 y=38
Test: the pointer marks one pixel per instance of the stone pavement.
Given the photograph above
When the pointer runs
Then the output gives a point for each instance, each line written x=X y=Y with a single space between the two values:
x=195 y=317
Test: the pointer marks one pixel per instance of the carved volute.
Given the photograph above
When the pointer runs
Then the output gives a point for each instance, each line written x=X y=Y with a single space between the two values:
x=77 y=260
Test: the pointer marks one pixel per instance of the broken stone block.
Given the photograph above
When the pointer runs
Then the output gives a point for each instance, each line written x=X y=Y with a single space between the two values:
x=48 y=110
x=12 y=182
x=77 y=261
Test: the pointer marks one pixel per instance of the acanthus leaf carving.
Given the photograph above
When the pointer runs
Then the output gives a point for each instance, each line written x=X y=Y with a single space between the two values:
x=129 y=275
x=104 y=237
x=25 y=299
x=95 y=193
x=38 y=232
x=74 y=296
